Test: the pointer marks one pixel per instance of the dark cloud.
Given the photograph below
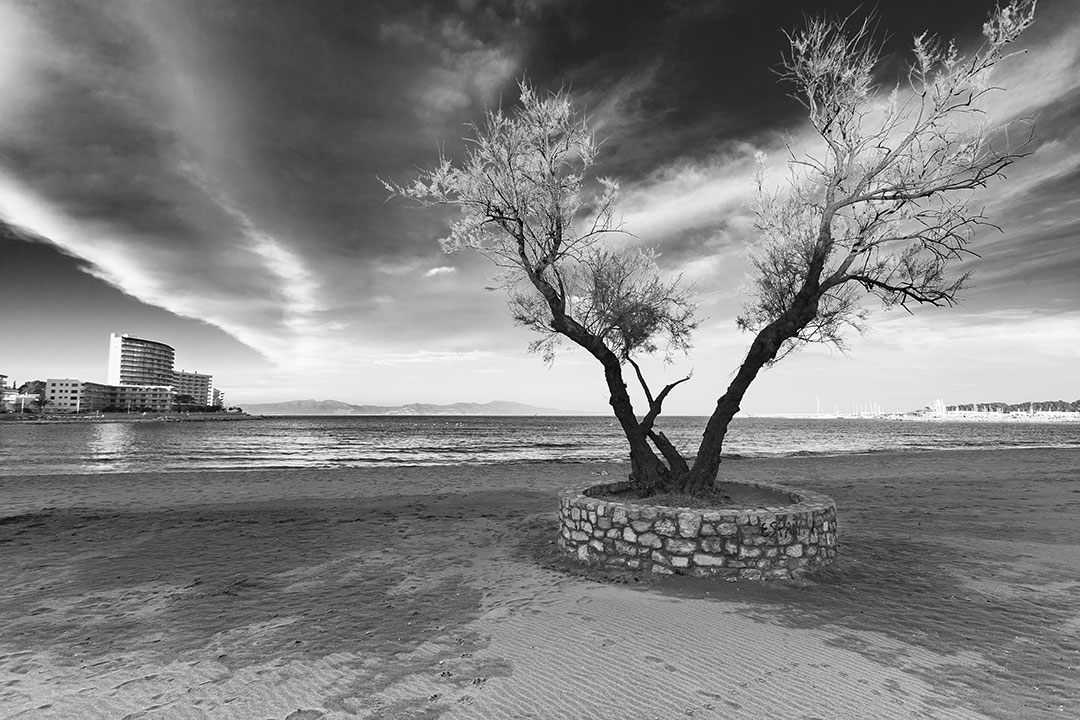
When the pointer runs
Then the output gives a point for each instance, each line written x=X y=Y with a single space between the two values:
x=222 y=160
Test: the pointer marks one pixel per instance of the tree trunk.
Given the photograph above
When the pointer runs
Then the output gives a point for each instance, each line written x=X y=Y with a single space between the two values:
x=707 y=463
x=763 y=350
x=647 y=472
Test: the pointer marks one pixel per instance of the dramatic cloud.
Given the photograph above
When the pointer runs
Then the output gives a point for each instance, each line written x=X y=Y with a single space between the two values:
x=221 y=161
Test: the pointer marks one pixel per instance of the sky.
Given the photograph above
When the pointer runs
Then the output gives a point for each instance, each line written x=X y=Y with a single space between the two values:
x=207 y=174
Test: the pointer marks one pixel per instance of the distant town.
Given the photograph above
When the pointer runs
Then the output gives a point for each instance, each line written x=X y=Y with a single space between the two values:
x=141 y=378
x=1041 y=411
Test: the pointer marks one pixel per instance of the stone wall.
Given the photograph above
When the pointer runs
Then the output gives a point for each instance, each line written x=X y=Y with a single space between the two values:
x=754 y=544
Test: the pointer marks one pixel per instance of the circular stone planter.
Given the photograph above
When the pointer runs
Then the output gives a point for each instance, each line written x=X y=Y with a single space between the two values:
x=754 y=544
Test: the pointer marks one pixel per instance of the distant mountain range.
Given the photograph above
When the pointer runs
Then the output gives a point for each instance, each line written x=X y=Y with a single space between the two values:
x=1043 y=406
x=336 y=407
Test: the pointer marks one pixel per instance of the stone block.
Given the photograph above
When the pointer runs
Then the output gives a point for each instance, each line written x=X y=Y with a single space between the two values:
x=624 y=548
x=649 y=540
x=727 y=529
x=732 y=548
x=598 y=533
x=749 y=552
x=641 y=526
x=629 y=535
x=712 y=544
x=633 y=564
x=583 y=553
x=586 y=526
x=614 y=533
x=661 y=558
x=750 y=574
x=579 y=537
x=777 y=574
x=619 y=516
x=707 y=560
x=665 y=527
x=689 y=524
x=794 y=551
x=592 y=516
x=811 y=550
x=604 y=523
x=707 y=529
x=679 y=547
x=661 y=570
x=597 y=546
x=680 y=562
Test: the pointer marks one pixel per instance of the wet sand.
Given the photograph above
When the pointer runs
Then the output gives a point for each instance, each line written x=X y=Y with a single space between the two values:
x=437 y=592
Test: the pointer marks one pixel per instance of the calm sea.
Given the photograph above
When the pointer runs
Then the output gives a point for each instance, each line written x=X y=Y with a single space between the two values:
x=280 y=442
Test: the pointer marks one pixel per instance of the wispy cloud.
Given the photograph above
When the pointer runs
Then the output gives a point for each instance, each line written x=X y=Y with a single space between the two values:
x=223 y=164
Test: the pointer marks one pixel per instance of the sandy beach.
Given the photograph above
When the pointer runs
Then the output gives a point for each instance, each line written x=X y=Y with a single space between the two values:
x=437 y=592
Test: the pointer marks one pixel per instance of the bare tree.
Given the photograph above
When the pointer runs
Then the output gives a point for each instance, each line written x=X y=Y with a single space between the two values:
x=529 y=201
x=884 y=209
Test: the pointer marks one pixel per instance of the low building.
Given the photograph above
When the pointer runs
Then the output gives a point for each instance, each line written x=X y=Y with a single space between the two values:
x=63 y=395
x=100 y=397
x=14 y=401
x=195 y=385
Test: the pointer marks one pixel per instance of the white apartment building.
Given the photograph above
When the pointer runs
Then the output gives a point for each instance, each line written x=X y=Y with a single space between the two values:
x=64 y=395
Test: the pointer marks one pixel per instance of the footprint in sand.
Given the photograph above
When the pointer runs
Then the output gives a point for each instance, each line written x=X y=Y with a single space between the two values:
x=660 y=661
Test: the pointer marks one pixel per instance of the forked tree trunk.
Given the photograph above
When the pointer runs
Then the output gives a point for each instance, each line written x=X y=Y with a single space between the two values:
x=647 y=472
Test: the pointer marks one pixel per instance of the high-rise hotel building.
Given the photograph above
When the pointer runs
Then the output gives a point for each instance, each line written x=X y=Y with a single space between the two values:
x=135 y=361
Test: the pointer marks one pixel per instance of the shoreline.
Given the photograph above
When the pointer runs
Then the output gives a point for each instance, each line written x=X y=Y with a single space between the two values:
x=616 y=468
x=1039 y=418
x=427 y=591
x=61 y=418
